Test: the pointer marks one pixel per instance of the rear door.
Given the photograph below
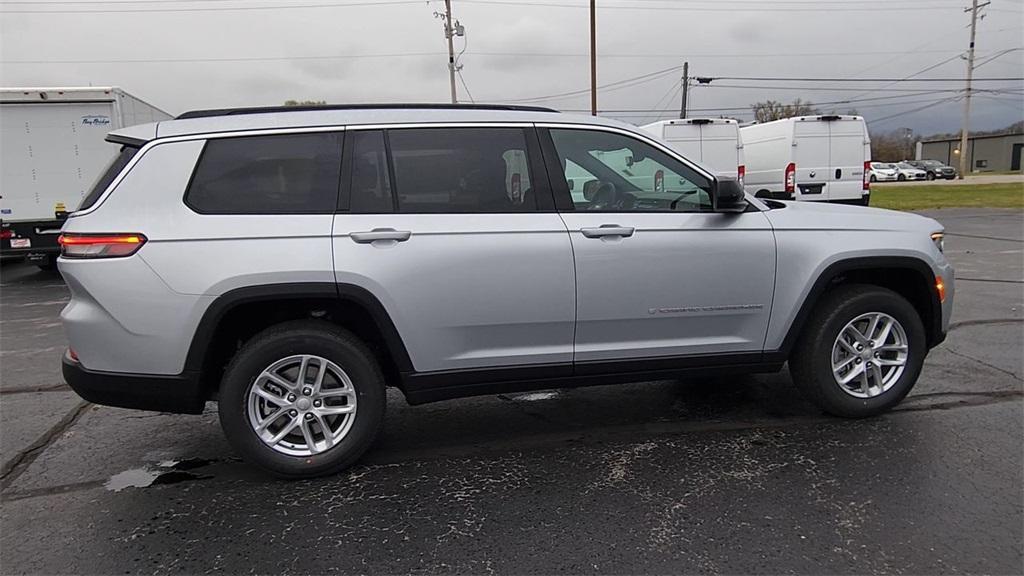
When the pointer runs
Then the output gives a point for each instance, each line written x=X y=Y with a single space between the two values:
x=812 y=158
x=719 y=143
x=686 y=140
x=846 y=159
x=453 y=229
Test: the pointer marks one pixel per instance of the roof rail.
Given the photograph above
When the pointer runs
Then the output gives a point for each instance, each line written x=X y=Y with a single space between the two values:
x=389 y=106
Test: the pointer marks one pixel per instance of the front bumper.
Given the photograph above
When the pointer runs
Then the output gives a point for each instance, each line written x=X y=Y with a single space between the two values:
x=180 y=394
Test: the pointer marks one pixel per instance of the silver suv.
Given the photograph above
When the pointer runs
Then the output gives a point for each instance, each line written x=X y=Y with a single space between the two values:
x=292 y=263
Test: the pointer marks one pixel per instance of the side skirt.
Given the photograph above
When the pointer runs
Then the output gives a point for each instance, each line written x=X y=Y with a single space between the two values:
x=424 y=387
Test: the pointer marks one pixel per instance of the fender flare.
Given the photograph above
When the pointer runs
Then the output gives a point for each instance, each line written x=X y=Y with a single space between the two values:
x=832 y=271
x=218 y=309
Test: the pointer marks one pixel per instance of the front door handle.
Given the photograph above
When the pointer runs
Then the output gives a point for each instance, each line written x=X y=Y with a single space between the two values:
x=839 y=173
x=380 y=234
x=608 y=230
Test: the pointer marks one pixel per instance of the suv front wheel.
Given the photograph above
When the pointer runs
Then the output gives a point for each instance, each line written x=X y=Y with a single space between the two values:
x=861 y=352
x=302 y=399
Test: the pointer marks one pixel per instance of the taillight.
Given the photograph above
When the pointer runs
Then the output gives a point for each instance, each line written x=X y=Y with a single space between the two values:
x=99 y=245
x=6 y=234
x=867 y=177
x=791 y=178
x=741 y=171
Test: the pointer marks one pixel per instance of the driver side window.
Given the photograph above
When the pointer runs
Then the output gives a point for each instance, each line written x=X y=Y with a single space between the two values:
x=615 y=173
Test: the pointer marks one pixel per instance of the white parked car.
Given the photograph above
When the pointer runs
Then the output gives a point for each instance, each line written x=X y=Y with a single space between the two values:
x=906 y=171
x=883 y=172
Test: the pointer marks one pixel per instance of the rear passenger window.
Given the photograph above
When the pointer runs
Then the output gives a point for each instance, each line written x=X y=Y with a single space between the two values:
x=278 y=174
x=467 y=170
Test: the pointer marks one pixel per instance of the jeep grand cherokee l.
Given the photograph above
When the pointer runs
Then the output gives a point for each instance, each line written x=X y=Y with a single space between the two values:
x=290 y=265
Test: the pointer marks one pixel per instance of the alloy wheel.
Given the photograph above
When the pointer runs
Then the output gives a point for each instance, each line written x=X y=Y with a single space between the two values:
x=302 y=405
x=869 y=355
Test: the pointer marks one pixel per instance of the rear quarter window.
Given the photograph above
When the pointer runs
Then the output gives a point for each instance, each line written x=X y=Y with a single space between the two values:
x=114 y=167
x=274 y=174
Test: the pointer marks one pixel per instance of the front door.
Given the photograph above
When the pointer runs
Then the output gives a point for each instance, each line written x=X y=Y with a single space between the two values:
x=657 y=273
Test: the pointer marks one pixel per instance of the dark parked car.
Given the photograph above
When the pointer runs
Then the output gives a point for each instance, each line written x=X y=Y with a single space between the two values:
x=934 y=169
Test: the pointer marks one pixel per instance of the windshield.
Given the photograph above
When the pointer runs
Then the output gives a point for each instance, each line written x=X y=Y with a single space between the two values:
x=931 y=163
x=906 y=166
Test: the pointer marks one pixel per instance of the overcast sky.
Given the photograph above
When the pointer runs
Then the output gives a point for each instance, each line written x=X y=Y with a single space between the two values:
x=519 y=50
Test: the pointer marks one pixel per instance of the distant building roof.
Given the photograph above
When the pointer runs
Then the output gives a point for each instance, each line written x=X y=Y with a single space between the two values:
x=970 y=137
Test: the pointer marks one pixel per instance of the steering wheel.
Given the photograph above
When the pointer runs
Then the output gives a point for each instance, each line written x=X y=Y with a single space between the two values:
x=672 y=206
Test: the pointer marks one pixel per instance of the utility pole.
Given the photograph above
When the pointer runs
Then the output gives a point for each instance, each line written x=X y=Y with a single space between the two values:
x=686 y=86
x=964 y=164
x=449 y=31
x=593 y=57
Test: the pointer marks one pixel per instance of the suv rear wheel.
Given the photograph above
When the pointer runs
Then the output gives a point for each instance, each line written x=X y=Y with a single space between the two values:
x=861 y=353
x=302 y=399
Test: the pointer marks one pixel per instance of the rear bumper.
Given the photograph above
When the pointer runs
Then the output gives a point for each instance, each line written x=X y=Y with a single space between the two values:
x=40 y=237
x=775 y=195
x=179 y=394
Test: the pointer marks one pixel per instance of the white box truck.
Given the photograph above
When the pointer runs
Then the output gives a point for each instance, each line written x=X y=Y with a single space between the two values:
x=52 y=149
x=817 y=158
x=713 y=142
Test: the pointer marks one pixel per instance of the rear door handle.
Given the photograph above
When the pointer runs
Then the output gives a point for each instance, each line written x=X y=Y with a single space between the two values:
x=608 y=230
x=839 y=173
x=380 y=234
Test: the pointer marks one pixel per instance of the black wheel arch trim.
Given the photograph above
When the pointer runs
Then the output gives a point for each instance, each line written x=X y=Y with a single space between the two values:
x=218 y=309
x=933 y=329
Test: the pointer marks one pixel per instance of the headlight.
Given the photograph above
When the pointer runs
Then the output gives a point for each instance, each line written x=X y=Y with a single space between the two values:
x=939 y=239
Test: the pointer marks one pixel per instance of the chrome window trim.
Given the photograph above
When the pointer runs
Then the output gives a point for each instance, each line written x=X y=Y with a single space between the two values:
x=188 y=138
x=383 y=126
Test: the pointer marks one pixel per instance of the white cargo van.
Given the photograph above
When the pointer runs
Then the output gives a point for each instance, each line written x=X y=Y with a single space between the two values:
x=819 y=158
x=714 y=142
x=52 y=149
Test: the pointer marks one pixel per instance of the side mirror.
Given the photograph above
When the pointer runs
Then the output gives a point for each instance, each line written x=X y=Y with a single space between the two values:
x=727 y=196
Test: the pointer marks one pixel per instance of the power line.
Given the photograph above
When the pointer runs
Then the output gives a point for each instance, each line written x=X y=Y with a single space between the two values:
x=915 y=110
x=217 y=8
x=632 y=81
x=435 y=54
x=755 y=2
x=750 y=7
x=893 y=80
x=718 y=7
x=908 y=77
x=748 y=108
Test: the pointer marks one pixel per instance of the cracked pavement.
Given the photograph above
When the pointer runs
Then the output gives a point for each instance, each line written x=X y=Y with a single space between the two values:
x=736 y=475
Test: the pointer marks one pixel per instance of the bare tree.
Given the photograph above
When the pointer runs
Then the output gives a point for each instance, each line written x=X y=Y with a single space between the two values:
x=771 y=110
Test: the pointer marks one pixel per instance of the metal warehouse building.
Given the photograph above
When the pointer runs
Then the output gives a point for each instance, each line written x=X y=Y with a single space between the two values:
x=984 y=153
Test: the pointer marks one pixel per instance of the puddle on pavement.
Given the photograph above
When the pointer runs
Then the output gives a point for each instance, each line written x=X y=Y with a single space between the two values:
x=533 y=397
x=166 y=472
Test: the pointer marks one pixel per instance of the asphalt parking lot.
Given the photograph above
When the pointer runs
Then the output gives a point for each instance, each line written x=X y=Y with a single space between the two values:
x=735 y=475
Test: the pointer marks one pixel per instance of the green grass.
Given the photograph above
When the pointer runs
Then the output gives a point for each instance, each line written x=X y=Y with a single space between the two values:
x=1005 y=195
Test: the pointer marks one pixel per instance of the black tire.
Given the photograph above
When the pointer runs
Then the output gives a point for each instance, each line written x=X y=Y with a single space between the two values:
x=811 y=361
x=929 y=176
x=901 y=178
x=49 y=264
x=303 y=337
